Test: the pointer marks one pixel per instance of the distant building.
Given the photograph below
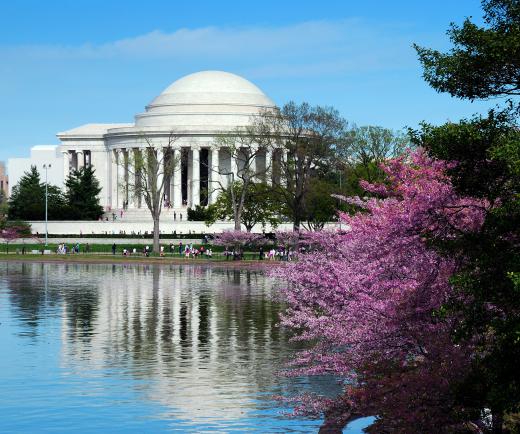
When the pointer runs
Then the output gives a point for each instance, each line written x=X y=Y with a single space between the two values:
x=40 y=155
x=4 y=180
x=196 y=110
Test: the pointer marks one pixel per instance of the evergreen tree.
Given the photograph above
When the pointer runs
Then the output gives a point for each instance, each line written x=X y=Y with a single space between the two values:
x=82 y=195
x=27 y=201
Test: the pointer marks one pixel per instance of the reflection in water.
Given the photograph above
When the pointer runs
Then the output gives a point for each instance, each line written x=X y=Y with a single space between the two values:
x=199 y=342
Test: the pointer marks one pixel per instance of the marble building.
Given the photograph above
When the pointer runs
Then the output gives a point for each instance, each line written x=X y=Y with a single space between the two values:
x=194 y=110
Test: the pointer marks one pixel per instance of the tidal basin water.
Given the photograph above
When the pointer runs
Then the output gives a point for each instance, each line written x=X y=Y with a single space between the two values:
x=143 y=349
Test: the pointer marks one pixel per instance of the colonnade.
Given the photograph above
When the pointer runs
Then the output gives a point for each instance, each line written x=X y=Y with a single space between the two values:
x=182 y=189
x=75 y=160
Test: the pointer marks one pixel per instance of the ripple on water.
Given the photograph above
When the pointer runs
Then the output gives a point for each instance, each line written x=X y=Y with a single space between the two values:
x=98 y=348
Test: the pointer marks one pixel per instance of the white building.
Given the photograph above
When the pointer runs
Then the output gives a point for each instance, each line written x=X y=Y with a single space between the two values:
x=194 y=110
x=40 y=155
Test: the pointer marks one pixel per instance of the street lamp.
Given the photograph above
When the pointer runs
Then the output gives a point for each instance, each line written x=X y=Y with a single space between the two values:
x=46 y=167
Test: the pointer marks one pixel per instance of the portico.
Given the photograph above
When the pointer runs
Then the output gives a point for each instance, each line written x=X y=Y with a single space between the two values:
x=184 y=123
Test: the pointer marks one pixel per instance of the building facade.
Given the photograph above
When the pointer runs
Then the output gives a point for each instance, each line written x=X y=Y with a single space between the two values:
x=192 y=112
x=4 y=181
x=42 y=155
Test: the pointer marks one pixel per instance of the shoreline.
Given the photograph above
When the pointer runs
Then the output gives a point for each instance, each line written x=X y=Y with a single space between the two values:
x=128 y=260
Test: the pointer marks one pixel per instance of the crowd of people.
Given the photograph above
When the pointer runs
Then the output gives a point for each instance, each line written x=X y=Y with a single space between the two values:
x=189 y=250
x=64 y=249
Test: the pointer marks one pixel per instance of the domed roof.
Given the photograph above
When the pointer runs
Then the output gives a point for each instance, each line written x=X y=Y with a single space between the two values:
x=208 y=98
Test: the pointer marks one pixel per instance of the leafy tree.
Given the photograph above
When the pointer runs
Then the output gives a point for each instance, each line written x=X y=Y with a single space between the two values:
x=245 y=145
x=27 y=201
x=366 y=301
x=485 y=61
x=200 y=213
x=320 y=205
x=82 y=195
x=364 y=149
x=13 y=230
x=238 y=240
x=307 y=137
x=259 y=206
x=487 y=154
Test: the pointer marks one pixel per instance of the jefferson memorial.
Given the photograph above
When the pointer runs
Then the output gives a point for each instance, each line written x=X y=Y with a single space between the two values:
x=194 y=109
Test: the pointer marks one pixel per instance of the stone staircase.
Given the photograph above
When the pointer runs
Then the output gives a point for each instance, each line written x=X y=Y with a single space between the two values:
x=143 y=215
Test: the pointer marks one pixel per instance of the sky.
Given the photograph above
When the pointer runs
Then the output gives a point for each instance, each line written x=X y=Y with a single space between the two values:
x=67 y=63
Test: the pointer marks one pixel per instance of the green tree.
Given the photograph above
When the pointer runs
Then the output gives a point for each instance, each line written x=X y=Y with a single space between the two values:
x=320 y=205
x=245 y=146
x=260 y=205
x=487 y=151
x=82 y=195
x=363 y=149
x=27 y=201
x=200 y=213
x=305 y=139
x=485 y=61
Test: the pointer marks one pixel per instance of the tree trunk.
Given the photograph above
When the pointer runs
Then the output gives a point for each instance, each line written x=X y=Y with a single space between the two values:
x=498 y=422
x=238 y=226
x=156 y=241
x=336 y=420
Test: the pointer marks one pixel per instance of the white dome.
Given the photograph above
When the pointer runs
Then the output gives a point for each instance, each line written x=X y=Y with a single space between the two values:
x=210 y=99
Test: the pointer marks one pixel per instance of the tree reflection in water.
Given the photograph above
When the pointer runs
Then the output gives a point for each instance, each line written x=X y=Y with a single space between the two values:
x=201 y=341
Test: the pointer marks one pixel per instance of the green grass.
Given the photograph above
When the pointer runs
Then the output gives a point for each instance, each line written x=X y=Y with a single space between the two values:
x=106 y=249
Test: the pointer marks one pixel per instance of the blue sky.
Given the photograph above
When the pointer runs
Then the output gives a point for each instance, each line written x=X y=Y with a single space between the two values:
x=66 y=63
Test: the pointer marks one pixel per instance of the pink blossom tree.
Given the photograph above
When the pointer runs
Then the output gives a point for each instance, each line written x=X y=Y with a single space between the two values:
x=237 y=240
x=288 y=238
x=367 y=301
x=13 y=233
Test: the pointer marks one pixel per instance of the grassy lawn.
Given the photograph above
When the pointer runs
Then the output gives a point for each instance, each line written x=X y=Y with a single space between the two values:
x=103 y=253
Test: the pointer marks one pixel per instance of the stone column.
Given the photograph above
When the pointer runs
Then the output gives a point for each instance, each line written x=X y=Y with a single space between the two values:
x=134 y=179
x=126 y=178
x=234 y=169
x=160 y=171
x=177 y=188
x=81 y=159
x=66 y=165
x=268 y=166
x=214 y=176
x=114 y=178
x=283 y=158
x=253 y=151
x=195 y=176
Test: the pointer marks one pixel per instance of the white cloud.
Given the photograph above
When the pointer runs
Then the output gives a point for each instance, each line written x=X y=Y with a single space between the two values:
x=304 y=49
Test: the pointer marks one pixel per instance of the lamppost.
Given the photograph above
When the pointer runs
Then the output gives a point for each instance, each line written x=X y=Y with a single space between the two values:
x=46 y=167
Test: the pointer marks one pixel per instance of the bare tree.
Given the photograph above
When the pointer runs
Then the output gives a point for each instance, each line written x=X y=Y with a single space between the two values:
x=304 y=140
x=365 y=148
x=246 y=147
x=149 y=167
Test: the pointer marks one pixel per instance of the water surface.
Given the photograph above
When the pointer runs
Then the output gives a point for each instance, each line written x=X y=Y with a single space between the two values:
x=114 y=348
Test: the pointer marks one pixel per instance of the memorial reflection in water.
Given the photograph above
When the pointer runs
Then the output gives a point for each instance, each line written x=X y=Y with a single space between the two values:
x=189 y=347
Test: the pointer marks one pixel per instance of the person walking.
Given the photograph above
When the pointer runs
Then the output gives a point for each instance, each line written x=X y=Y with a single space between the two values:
x=114 y=248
